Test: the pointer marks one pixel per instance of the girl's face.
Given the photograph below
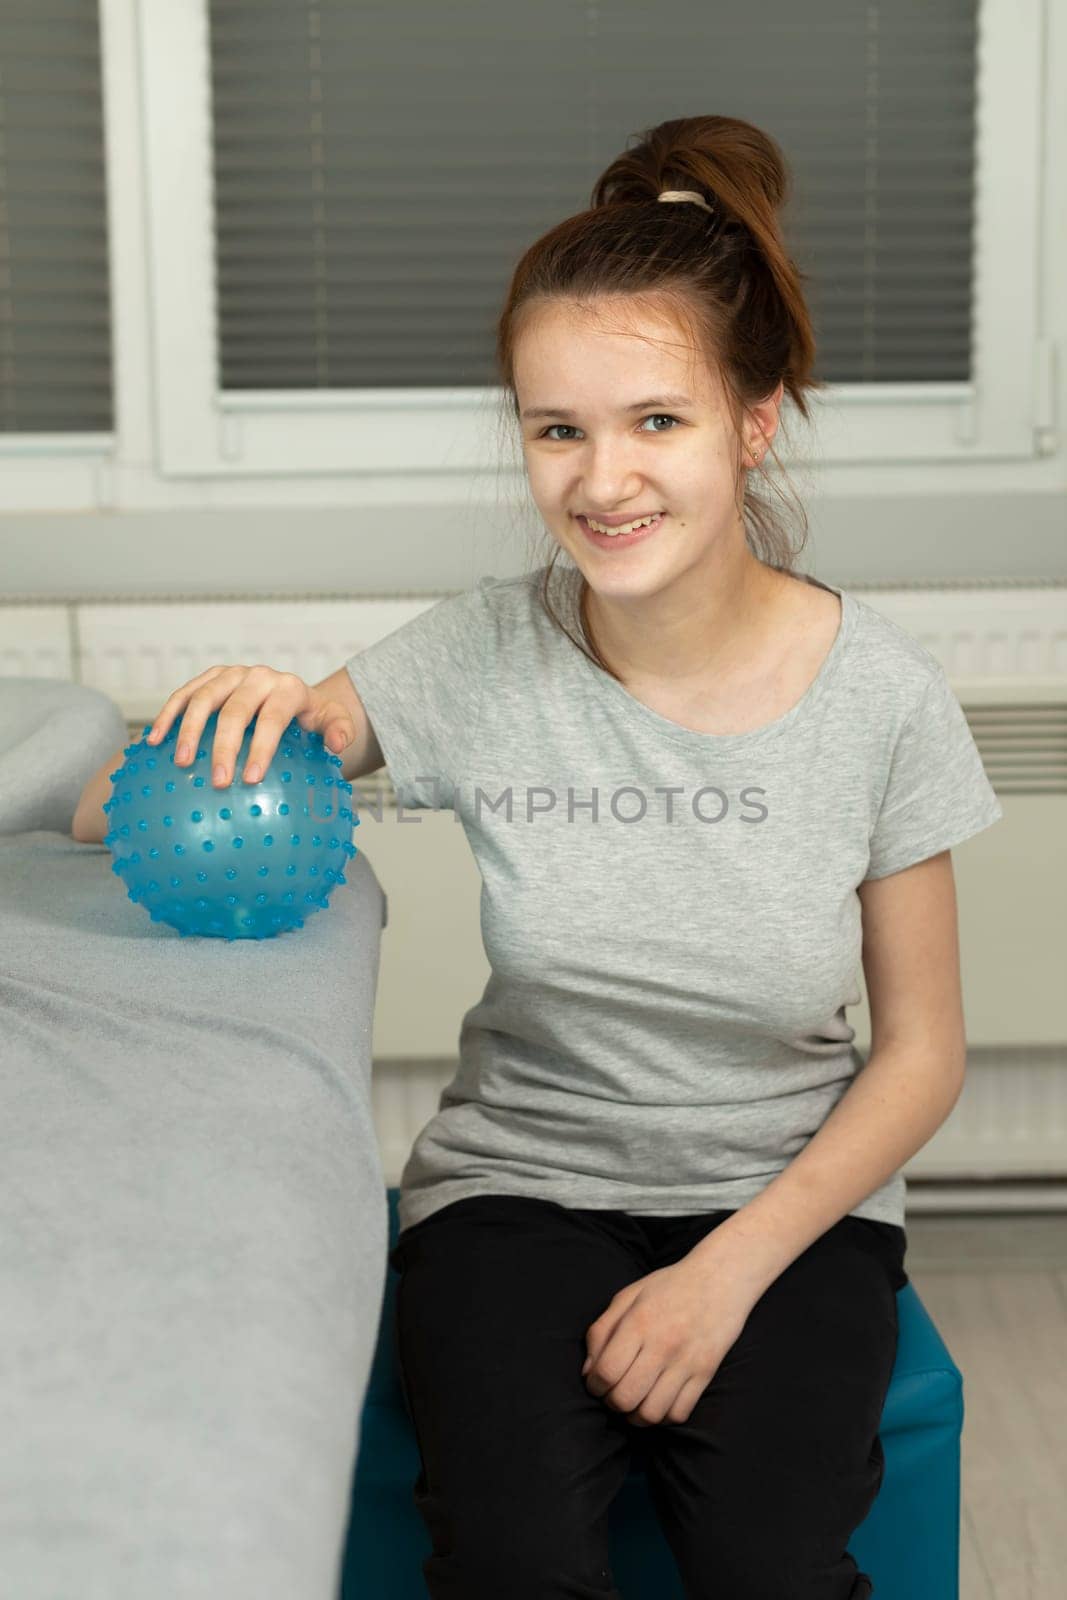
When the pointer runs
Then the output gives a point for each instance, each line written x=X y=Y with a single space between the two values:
x=629 y=423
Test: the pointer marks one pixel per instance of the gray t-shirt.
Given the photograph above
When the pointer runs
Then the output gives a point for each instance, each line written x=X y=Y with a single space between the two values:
x=670 y=917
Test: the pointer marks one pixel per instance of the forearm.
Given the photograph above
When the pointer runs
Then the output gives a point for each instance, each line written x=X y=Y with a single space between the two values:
x=893 y=1107
x=90 y=824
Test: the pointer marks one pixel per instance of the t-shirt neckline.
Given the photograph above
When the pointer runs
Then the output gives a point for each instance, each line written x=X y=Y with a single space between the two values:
x=724 y=743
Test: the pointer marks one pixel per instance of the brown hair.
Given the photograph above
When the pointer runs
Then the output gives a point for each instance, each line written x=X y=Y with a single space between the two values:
x=727 y=279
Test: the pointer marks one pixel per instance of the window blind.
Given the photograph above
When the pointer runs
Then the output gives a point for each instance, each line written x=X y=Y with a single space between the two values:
x=55 y=309
x=379 y=167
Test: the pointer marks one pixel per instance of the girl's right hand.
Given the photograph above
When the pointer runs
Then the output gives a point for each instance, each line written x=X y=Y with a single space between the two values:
x=238 y=694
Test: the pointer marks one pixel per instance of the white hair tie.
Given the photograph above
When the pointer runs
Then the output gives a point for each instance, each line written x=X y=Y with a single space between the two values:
x=684 y=194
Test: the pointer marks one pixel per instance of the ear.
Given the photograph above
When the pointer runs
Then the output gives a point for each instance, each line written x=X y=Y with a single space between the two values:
x=765 y=415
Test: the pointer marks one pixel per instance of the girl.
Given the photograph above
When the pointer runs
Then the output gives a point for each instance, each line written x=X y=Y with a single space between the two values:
x=693 y=782
x=660 y=1207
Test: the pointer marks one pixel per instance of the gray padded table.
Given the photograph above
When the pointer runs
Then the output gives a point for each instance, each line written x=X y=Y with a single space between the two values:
x=194 y=1236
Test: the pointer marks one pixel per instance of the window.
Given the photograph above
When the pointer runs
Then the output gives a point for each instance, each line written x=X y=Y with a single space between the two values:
x=55 y=321
x=312 y=208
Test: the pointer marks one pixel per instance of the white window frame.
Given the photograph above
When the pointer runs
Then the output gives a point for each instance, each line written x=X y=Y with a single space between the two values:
x=179 y=442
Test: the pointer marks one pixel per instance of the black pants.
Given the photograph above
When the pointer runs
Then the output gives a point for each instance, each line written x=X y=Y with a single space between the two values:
x=757 y=1493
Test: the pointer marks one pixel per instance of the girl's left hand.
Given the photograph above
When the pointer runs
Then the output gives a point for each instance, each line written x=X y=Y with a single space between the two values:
x=661 y=1340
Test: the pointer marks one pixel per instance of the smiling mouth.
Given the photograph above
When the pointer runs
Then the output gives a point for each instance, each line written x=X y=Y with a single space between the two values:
x=613 y=523
x=618 y=537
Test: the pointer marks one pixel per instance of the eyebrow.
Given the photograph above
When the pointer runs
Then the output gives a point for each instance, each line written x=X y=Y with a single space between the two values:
x=638 y=405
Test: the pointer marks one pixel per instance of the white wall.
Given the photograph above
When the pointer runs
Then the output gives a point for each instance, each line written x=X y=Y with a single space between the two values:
x=855 y=542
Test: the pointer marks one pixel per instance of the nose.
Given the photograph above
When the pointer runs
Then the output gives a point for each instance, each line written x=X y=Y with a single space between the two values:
x=608 y=479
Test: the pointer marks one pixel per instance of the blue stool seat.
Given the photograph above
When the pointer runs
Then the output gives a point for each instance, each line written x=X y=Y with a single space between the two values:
x=908 y=1545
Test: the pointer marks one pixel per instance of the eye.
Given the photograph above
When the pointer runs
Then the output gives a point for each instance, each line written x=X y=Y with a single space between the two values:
x=651 y=416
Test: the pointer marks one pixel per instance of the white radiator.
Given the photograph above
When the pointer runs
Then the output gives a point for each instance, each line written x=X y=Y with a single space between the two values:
x=1005 y=651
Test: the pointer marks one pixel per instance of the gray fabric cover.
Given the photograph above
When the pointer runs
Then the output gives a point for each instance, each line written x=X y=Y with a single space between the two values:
x=53 y=736
x=193 y=1250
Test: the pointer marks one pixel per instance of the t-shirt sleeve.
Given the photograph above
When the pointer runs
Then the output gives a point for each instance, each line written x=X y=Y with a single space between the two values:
x=937 y=794
x=421 y=687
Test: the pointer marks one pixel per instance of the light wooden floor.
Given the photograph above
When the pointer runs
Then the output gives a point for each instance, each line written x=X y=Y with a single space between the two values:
x=996 y=1287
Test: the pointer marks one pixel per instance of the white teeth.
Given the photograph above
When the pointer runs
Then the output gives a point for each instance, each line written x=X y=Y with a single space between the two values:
x=627 y=527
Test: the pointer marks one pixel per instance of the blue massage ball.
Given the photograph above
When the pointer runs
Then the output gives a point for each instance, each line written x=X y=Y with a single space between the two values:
x=246 y=862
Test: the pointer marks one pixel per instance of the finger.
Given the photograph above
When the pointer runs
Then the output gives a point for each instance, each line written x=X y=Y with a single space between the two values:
x=265 y=741
x=275 y=713
x=658 y=1399
x=208 y=698
x=340 y=732
x=682 y=1405
x=174 y=703
x=329 y=718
